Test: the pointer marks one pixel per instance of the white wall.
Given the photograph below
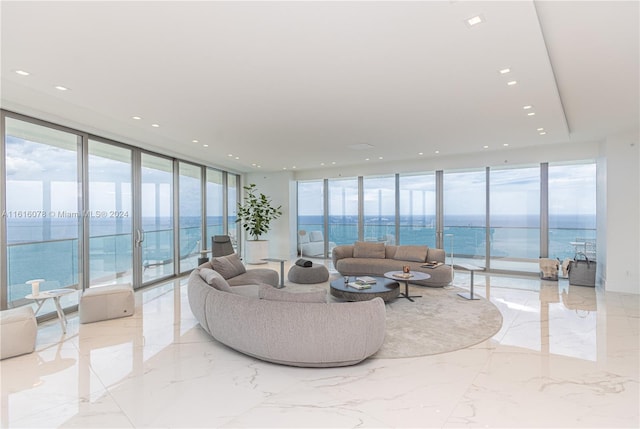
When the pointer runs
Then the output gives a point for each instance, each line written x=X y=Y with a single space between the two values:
x=622 y=230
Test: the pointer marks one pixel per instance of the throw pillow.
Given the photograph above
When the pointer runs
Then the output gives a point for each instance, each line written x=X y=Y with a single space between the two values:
x=214 y=279
x=228 y=266
x=271 y=294
x=411 y=253
x=363 y=249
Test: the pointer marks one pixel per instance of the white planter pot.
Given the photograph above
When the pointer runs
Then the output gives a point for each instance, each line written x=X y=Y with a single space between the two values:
x=256 y=251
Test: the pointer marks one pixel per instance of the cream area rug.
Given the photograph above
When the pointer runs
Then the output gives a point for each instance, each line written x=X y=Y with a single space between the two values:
x=438 y=322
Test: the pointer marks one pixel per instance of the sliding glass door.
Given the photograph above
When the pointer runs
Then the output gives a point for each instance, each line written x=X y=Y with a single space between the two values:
x=190 y=206
x=156 y=233
x=110 y=214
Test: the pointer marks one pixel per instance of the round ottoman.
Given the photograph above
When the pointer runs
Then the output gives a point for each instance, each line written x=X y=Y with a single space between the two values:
x=308 y=275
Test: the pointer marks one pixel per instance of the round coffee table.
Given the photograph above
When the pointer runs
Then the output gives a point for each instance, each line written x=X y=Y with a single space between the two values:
x=384 y=288
x=413 y=275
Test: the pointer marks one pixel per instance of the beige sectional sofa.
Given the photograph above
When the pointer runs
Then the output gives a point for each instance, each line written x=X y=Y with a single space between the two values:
x=375 y=259
x=298 y=329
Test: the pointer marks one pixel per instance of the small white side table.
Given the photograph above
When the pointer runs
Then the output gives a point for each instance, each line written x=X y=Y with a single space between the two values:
x=282 y=261
x=471 y=269
x=54 y=294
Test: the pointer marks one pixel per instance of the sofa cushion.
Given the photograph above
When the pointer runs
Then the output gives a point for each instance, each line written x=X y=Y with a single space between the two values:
x=228 y=266
x=272 y=294
x=215 y=279
x=363 y=249
x=411 y=253
x=316 y=236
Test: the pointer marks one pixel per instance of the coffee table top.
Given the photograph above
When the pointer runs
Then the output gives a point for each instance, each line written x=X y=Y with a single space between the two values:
x=387 y=289
x=414 y=276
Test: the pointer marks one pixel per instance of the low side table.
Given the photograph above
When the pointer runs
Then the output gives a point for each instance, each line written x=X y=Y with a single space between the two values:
x=54 y=294
x=415 y=275
x=282 y=261
x=471 y=269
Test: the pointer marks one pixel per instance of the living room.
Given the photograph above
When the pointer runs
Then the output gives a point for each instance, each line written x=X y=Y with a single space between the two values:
x=280 y=102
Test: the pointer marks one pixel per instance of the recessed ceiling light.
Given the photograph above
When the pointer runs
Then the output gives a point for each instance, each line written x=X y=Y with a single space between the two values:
x=237 y=157
x=379 y=157
x=485 y=147
x=527 y=107
x=542 y=133
x=504 y=71
x=259 y=166
x=155 y=125
x=420 y=153
x=205 y=145
x=61 y=88
x=22 y=73
x=540 y=129
x=474 y=20
x=284 y=168
x=512 y=82
x=333 y=163
x=253 y=164
x=293 y=167
x=322 y=163
x=137 y=118
x=505 y=144
x=366 y=159
x=194 y=141
x=531 y=114
x=437 y=151
x=230 y=155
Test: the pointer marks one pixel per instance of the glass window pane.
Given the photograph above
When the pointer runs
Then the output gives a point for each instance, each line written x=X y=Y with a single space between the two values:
x=418 y=210
x=464 y=199
x=215 y=201
x=343 y=211
x=379 y=195
x=311 y=216
x=233 y=185
x=190 y=185
x=572 y=210
x=157 y=217
x=110 y=223
x=43 y=219
x=515 y=218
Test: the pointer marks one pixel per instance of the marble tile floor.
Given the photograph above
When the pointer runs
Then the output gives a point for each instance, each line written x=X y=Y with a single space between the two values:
x=566 y=356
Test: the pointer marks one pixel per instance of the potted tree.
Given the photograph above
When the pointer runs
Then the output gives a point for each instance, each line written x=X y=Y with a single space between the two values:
x=255 y=215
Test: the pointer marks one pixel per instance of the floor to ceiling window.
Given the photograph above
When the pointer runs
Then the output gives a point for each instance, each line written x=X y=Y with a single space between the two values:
x=43 y=214
x=156 y=217
x=110 y=213
x=418 y=209
x=572 y=210
x=464 y=203
x=343 y=211
x=379 y=209
x=117 y=227
x=310 y=215
x=190 y=207
x=514 y=223
x=215 y=205
x=233 y=198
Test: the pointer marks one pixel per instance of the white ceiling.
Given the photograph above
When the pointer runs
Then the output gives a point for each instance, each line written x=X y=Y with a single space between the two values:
x=294 y=84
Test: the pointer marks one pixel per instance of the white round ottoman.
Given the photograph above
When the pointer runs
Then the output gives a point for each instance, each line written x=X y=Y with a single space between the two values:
x=308 y=275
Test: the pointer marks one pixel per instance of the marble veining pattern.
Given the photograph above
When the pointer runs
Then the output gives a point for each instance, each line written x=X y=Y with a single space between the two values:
x=564 y=357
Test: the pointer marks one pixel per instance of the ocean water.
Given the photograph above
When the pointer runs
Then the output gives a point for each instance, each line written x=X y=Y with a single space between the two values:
x=49 y=248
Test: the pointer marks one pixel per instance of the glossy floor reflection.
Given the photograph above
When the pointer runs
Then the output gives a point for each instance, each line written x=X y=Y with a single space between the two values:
x=566 y=356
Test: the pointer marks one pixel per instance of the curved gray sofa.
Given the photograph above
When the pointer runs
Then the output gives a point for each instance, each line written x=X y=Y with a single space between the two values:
x=306 y=334
x=375 y=259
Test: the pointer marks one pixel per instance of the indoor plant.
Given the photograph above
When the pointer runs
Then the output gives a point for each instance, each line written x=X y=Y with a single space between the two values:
x=255 y=214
